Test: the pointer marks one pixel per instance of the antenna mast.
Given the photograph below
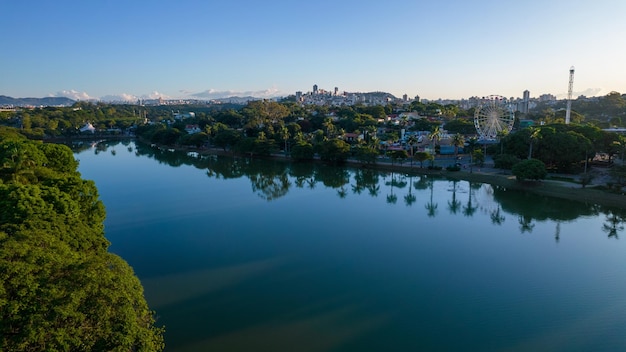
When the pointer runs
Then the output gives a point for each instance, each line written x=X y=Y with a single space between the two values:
x=569 y=95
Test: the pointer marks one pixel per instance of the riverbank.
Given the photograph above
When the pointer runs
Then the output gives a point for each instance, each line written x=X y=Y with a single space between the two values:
x=594 y=193
x=550 y=188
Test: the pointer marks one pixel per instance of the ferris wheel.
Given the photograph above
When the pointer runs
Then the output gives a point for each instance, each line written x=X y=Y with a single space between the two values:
x=494 y=114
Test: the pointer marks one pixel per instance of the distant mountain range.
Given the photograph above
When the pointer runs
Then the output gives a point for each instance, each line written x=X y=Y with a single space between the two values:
x=48 y=101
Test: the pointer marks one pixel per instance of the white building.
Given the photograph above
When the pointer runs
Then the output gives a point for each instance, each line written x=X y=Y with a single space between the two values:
x=88 y=127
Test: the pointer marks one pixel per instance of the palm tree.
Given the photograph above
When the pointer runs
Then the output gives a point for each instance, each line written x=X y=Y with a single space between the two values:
x=434 y=137
x=614 y=224
x=404 y=120
x=454 y=205
x=534 y=136
x=471 y=145
x=458 y=141
x=391 y=198
x=359 y=186
x=500 y=136
x=373 y=189
x=525 y=223
x=399 y=183
x=469 y=208
x=412 y=140
x=496 y=217
x=430 y=206
x=410 y=198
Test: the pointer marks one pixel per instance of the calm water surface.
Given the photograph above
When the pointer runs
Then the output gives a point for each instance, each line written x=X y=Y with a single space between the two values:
x=250 y=255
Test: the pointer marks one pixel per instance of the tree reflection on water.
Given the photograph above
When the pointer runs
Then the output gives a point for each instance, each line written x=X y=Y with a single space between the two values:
x=272 y=179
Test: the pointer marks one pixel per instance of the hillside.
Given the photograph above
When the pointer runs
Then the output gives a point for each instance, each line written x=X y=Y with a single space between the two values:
x=47 y=101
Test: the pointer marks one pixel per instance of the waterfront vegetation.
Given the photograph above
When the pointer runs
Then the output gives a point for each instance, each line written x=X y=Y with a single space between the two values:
x=359 y=132
x=368 y=135
x=60 y=289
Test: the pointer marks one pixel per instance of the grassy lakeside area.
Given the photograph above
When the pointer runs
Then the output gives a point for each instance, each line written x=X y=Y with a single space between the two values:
x=549 y=188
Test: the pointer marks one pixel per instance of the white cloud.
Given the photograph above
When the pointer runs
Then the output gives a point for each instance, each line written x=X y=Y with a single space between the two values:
x=73 y=94
x=133 y=98
x=155 y=95
x=215 y=94
x=120 y=97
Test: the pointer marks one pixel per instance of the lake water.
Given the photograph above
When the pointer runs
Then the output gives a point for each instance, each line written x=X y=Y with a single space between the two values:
x=252 y=255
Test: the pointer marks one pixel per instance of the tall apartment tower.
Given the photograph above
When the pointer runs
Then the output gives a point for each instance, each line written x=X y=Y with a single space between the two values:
x=336 y=90
x=315 y=89
x=525 y=102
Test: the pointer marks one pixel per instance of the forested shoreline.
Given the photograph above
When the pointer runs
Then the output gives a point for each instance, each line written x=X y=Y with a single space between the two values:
x=60 y=289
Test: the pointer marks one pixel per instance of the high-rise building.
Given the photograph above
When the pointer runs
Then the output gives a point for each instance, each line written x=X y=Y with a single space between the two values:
x=315 y=89
x=525 y=102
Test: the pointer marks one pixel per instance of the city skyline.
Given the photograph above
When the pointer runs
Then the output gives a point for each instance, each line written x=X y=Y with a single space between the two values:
x=206 y=50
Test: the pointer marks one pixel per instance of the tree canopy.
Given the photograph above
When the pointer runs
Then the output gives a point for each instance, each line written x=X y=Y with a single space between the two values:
x=60 y=290
x=530 y=169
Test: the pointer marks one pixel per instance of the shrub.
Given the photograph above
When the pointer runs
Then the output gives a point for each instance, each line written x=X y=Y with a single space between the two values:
x=302 y=151
x=531 y=169
x=505 y=161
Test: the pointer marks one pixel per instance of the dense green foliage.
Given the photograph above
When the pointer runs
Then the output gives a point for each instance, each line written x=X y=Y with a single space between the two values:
x=561 y=147
x=60 y=290
x=302 y=151
x=334 y=151
x=366 y=154
x=265 y=127
x=505 y=161
x=530 y=169
x=461 y=126
x=604 y=112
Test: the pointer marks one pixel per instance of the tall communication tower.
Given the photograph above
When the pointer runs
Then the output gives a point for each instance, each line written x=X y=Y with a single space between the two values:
x=569 y=95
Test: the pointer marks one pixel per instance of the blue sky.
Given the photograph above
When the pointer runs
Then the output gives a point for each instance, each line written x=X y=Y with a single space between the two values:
x=208 y=49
